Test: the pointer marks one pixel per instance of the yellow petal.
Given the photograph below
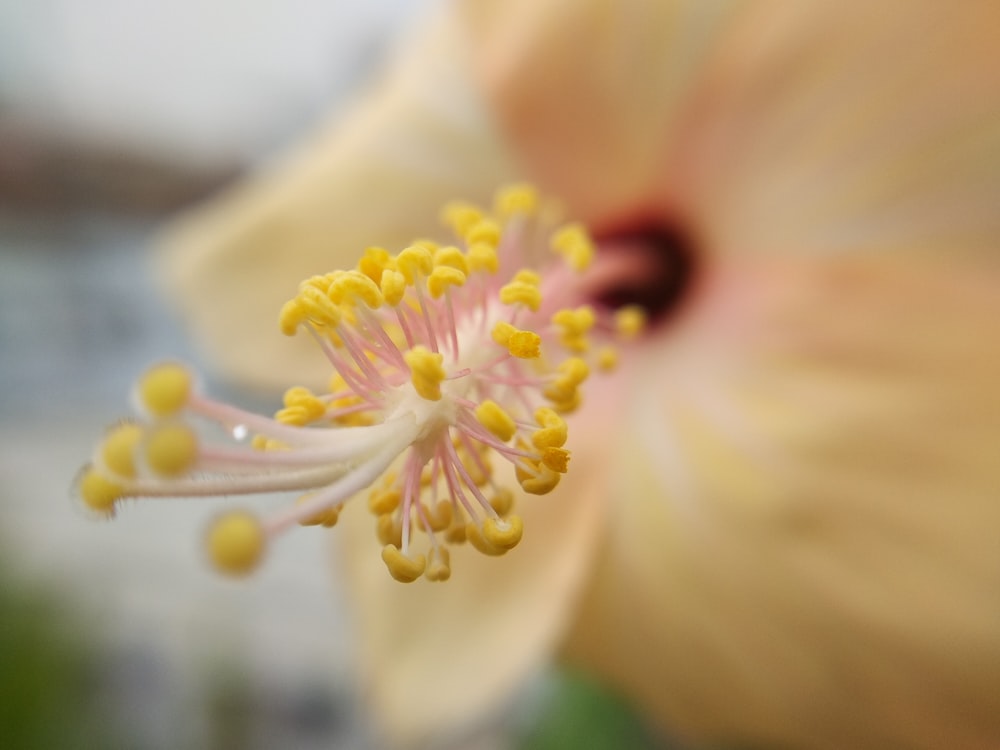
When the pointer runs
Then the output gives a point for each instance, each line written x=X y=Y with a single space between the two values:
x=376 y=176
x=806 y=513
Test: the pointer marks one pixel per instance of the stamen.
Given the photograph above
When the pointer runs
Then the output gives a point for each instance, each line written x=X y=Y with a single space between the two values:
x=441 y=367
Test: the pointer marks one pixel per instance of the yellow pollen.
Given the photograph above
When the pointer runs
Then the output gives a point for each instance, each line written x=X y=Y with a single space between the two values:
x=482 y=256
x=452 y=257
x=171 y=449
x=118 y=451
x=165 y=389
x=556 y=459
x=439 y=517
x=503 y=533
x=236 y=543
x=496 y=420
x=291 y=317
x=502 y=501
x=554 y=431
x=574 y=244
x=525 y=345
x=484 y=230
x=521 y=293
x=516 y=199
x=382 y=501
x=318 y=308
x=439 y=567
x=461 y=217
x=414 y=261
x=389 y=530
x=326 y=518
x=474 y=534
x=393 y=287
x=375 y=262
x=98 y=492
x=302 y=398
x=402 y=568
x=630 y=321
x=441 y=278
x=541 y=483
x=607 y=358
x=426 y=371
x=353 y=286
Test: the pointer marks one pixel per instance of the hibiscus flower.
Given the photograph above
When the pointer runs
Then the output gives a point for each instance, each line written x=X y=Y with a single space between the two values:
x=782 y=523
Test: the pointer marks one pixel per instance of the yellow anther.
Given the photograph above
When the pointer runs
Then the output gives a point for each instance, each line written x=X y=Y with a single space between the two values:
x=291 y=317
x=482 y=257
x=479 y=470
x=414 y=261
x=474 y=534
x=502 y=332
x=393 y=287
x=441 y=278
x=521 y=293
x=426 y=372
x=452 y=257
x=439 y=567
x=568 y=404
x=527 y=276
x=574 y=370
x=98 y=492
x=383 y=501
x=630 y=321
x=327 y=517
x=575 y=322
x=503 y=533
x=293 y=415
x=165 y=389
x=354 y=285
x=303 y=398
x=320 y=283
x=461 y=217
x=389 y=529
x=404 y=569
x=525 y=345
x=456 y=532
x=607 y=358
x=236 y=543
x=374 y=262
x=502 y=501
x=171 y=449
x=556 y=459
x=574 y=244
x=540 y=483
x=118 y=451
x=318 y=307
x=492 y=416
x=484 y=230
x=439 y=517
x=553 y=433
x=516 y=199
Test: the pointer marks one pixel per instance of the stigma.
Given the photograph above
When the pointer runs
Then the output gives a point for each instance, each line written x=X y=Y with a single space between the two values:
x=453 y=367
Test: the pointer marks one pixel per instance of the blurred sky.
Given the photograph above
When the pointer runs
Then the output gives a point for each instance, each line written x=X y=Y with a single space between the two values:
x=187 y=79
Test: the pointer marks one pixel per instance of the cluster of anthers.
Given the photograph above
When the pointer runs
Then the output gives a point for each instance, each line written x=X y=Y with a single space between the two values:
x=445 y=358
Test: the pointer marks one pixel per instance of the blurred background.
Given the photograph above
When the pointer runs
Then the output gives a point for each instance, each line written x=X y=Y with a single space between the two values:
x=116 y=115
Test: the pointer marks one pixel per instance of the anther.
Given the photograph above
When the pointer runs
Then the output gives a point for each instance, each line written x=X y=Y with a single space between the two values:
x=402 y=568
x=165 y=389
x=236 y=543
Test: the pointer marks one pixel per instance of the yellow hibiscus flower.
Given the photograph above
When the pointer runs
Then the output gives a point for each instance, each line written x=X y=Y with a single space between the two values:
x=782 y=523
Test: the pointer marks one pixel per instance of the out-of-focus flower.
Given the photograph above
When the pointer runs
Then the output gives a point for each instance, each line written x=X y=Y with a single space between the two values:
x=786 y=526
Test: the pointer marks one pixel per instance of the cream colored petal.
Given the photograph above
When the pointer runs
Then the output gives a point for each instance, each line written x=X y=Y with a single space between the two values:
x=804 y=540
x=589 y=91
x=377 y=176
x=441 y=658
x=826 y=127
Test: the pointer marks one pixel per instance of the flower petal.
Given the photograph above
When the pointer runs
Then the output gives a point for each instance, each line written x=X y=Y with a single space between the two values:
x=377 y=177
x=805 y=541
